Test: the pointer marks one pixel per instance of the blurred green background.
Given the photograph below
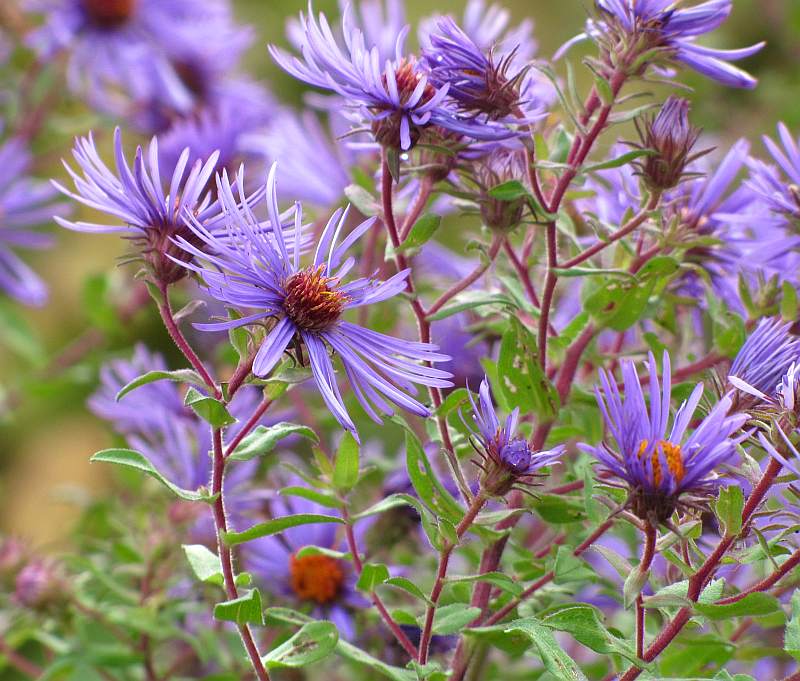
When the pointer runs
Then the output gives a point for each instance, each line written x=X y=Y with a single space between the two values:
x=46 y=433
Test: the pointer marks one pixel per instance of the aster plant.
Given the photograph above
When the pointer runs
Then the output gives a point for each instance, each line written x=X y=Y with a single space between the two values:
x=306 y=484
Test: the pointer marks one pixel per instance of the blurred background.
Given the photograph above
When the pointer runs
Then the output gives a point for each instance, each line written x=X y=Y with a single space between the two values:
x=46 y=434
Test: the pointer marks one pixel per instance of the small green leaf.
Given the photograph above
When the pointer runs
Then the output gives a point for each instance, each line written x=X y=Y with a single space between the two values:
x=264 y=438
x=178 y=376
x=313 y=643
x=243 y=610
x=358 y=656
x=728 y=507
x=320 y=498
x=471 y=300
x=366 y=203
x=451 y=619
x=345 y=468
x=371 y=575
x=569 y=568
x=522 y=380
x=277 y=525
x=134 y=459
x=498 y=579
x=789 y=304
x=207 y=408
x=427 y=483
x=421 y=232
x=620 y=161
x=509 y=191
x=752 y=605
x=791 y=637
x=389 y=503
x=204 y=563
x=408 y=586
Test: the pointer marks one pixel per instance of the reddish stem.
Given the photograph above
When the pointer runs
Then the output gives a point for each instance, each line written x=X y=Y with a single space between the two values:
x=177 y=336
x=648 y=552
x=225 y=555
x=423 y=194
x=21 y=663
x=441 y=574
x=402 y=639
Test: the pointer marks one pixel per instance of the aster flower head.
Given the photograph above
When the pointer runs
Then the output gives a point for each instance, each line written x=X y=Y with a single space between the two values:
x=671 y=138
x=634 y=34
x=663 y=470
x=496 y=167
x=506 y=459
x=253 y=270
x=321 y=581
x=24 y=204
x=765 y=362
x=396 y=98
x=134 y=199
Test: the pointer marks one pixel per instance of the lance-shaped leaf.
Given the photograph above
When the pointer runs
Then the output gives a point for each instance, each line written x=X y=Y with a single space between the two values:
x=277 y=525
x=264 y=438
x=314 y=642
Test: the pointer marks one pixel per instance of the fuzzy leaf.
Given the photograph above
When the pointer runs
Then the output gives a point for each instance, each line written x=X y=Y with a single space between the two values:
x=277 y=525
x=264 y=438
x=313 y=643
x=243 y=610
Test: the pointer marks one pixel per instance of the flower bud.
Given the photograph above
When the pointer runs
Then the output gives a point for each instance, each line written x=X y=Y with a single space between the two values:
x=670 y=138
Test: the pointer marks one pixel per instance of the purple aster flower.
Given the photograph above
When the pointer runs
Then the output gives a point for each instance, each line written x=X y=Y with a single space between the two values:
x=761 y=365
x=24 y=204
x=667 y=33
x=155 y=422
x=136 y=201
x=663 y=472
x=506 y=458
x=258 y=271
x=119 y=49
x=321 y=581
x=395 y=98
x=381 y=21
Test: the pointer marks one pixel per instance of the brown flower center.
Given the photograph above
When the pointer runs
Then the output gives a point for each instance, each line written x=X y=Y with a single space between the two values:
x=109 y=13
x=312 y=301
x=316 y=578
x=673 y=456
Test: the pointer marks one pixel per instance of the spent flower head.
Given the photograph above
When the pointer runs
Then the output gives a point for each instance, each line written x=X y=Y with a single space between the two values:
x=663 y=470
x=670 y=138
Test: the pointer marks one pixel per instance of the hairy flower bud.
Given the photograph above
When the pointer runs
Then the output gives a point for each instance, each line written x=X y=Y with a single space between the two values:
x=500 y=212
x=670 y=138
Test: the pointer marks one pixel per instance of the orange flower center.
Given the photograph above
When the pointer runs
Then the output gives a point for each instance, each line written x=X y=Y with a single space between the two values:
x=673 y=456
x=109 y=13
x=316 y=578
x=312 y=301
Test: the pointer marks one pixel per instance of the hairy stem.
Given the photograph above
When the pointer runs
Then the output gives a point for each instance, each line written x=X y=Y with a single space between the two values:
x=648 y=552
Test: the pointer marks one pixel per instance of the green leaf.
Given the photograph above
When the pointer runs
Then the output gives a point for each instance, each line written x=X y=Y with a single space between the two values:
x=345 y=469
x=620 y=161
x=585 y=623
x=408 y=586
x=522 y=380
x=498 y=579
x=178 y=376
x=470 y=300
x=558 y=509
x=371 y=575
x=389 y=503
x=791 y=637
x=569 y=568
x=243 y=610
x=427 y=484
x=366 y=203
x=313 y=643
x=451 y=619
x=277 y=525
x=789 y=304
x=134 y=459
x=509 y=191
x=555 y=660
x=320 y=498
x=753 y=604
x=204 y=563
x=207 y=408
x=353 y=654
x=728 y=507
x=421 y=232
x=264 y=438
